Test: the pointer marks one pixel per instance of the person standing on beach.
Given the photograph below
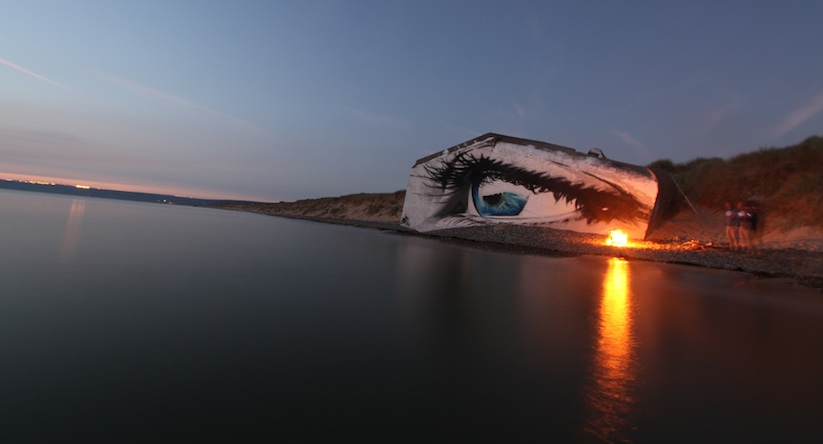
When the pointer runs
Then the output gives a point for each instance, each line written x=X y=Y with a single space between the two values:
x=745 y=228
x=748 y=226
x=732 y=222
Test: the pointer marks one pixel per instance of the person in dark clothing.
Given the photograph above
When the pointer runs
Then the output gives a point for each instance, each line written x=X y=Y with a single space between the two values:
x=732 y=223
x=748 y=227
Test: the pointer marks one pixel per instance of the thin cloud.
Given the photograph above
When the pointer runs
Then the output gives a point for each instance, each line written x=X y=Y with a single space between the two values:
x=174 y=101
x=718 y=115
x=632 y=142
x=628 y=139
x=521 y=111
x=152 y=94
x=13 y=65
x=798 y=117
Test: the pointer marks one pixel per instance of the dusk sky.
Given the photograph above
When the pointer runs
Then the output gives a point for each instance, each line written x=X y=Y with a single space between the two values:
x=285 y=100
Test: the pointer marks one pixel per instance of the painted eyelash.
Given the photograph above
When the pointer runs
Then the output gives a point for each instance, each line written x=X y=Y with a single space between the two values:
x=455 y=177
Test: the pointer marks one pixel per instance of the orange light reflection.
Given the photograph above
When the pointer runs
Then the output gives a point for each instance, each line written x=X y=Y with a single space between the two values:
x=610 y=397
x=73 y=225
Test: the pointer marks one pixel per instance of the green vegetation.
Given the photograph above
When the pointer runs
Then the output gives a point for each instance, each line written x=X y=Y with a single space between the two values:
x=787 y=182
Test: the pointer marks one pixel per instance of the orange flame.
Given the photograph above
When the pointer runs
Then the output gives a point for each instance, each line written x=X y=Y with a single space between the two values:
x=617 y=238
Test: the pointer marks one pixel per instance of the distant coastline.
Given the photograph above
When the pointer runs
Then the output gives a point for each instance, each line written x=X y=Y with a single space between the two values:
x=78 y=190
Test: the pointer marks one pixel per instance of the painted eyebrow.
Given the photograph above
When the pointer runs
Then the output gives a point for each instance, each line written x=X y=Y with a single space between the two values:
x=455 y=177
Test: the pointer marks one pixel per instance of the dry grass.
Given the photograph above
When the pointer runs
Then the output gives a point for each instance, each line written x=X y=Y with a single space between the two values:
x=382 y=207
x=781 y=181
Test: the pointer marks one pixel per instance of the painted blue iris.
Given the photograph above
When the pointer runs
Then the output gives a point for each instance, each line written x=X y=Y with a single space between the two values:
x=600 y=201
x=506 y=203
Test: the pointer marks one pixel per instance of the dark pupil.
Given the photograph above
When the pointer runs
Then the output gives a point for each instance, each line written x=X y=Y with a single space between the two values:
x=493 y=199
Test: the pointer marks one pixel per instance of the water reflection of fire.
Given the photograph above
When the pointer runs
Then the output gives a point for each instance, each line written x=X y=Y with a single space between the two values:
x=617 y=238
x=610 y=397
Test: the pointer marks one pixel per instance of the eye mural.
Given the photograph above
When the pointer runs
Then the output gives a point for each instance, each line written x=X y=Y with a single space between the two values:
x=501 y=179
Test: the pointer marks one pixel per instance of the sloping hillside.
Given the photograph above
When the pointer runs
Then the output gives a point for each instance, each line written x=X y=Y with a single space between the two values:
x=380 y=207
x=786 y=184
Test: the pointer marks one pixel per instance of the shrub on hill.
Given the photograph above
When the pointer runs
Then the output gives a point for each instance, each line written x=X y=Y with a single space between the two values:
x=787 y=182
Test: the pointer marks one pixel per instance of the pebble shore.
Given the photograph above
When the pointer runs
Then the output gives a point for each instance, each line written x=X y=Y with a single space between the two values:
x=798 y=266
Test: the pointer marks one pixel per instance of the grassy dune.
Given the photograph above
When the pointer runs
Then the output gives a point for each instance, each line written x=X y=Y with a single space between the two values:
x=378 y=207
x=786 y=183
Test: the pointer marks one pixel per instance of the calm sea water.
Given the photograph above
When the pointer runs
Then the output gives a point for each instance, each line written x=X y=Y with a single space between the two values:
x=138 y=322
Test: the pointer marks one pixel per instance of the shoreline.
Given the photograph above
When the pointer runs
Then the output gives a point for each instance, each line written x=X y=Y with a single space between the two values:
x=800 y=267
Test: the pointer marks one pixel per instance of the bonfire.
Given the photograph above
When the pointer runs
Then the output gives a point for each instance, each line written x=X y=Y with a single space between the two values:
x=617 y=238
